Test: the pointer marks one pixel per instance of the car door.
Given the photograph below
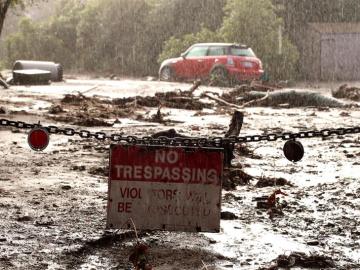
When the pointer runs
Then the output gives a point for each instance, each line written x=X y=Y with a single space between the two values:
x=214 y=55
x=194 y=62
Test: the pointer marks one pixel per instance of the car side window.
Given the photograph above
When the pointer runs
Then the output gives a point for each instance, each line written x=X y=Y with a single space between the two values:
x=217 y=51
x=197 y=51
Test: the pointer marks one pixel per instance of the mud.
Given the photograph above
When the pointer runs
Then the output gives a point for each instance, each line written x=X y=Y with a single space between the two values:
x=53 y=203
x=345 y=91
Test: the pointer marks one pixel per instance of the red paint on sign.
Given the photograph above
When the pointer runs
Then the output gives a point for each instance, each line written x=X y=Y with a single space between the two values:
x=175 y=165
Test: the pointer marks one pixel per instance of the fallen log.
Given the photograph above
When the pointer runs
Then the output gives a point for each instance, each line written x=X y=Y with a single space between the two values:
x=232 y=105
x=221 y=101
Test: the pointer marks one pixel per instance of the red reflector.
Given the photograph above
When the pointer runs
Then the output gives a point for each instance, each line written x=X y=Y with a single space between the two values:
x=38 y=139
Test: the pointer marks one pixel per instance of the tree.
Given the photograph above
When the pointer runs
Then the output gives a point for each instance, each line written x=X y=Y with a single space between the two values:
x=256 y=24
x=175 y=46
x=52 y=40
x=4 y=7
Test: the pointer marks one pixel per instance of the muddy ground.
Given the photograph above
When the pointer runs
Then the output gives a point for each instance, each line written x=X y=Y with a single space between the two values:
x=53 y=203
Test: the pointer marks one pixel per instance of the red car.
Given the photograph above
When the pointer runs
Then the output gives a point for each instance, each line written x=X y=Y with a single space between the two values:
x=220 y=61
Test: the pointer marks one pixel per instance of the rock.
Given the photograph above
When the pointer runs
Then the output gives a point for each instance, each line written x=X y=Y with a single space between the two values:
x=228 y=216
x=262 y=205
x=270 y=182
x=44 y=221
x=313 y=243
x=2 y=110
x=24 y=218
x=55 y=109
x=65 y=187
x=78 y=168
x=99 y=171
x=344 y=114
x=234 y=177
x=92 y=122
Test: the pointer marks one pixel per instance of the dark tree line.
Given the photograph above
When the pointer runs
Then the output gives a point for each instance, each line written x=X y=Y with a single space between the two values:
x=130 y=37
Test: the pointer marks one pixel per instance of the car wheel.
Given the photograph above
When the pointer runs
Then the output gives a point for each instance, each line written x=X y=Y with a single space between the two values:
x=219 y=77
x=166 y=74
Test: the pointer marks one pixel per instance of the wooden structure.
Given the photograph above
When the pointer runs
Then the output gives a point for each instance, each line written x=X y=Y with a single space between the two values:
x=331 y=52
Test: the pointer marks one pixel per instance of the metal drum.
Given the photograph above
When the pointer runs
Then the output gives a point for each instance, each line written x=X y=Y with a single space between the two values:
x=55 y=69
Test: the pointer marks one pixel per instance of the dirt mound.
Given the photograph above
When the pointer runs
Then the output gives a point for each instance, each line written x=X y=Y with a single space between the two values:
x=299 y=259
x=348 y=92
x=234 y=177
x=271 y=182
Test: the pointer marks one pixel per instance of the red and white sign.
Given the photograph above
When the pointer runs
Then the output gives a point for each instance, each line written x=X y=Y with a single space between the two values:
x=167 y=188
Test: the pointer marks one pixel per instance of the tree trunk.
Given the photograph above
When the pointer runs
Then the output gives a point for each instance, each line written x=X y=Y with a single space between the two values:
x=4 y=6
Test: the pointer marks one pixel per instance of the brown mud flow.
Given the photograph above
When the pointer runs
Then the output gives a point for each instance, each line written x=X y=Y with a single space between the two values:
x=53 y=203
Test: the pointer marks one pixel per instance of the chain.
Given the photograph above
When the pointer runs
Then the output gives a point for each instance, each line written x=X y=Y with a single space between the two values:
x=185 y=141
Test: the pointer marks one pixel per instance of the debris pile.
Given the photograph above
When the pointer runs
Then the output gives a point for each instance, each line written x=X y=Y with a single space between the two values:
x=300 y=259
x=271 y=203
x=139 y=257
x=234 y=177
x=270 y=182
x=56 y=109
x=345 y=91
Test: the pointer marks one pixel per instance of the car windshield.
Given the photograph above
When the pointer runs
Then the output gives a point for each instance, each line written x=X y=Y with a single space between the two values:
x=237 y=51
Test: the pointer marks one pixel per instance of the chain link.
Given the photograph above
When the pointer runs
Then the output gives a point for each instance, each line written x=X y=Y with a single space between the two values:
x=185 y=141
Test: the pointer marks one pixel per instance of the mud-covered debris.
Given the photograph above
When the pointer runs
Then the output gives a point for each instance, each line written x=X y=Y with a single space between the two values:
x=313 y=243
x=92 y=122
x=270 y=182
x=74 y=99
x=344 y=114
x=2 y=110
x=271 y=203
x=66 y=187
x=44 y=221
x=140 y=101
x=55 y=109
x=300 y=259
x=158 y=117
x=24 y=218
x=139 y=257
x=345 y=91
x=225 y=215
x=3 y=83
x=228 y=197
x=102 y=171
x=80 y=168
x=273 y=200
x=176 y=99
x=244 y=151
x=234 y=177
x=170 y=133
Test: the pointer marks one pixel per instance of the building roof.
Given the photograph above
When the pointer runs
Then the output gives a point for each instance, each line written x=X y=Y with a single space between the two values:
x=335 y=28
